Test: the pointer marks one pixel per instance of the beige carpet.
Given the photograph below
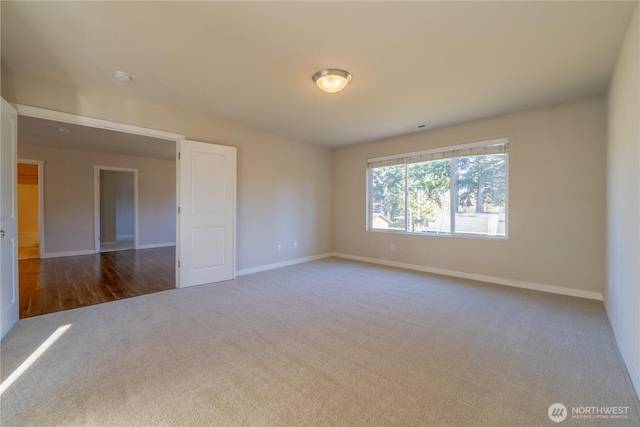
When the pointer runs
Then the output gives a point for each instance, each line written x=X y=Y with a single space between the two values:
x=330 y=342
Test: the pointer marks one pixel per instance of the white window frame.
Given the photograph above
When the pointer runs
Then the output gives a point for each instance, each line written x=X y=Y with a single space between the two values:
x=475 y=148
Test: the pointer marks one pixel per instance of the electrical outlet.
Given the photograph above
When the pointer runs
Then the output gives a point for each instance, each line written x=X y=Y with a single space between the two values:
x=295 y=245
x=393 y=246
x=279 y=248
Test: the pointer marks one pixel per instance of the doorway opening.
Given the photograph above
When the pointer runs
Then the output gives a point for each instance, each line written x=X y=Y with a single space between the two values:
x=73 y=270
x=30 y=209
x=116 y=210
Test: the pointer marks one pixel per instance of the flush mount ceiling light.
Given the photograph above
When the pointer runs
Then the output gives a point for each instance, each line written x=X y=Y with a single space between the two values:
x=332 y=80
x=122 y=76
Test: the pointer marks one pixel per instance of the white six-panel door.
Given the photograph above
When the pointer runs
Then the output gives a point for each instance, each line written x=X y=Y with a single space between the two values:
x=8 y=220
x=207 y=212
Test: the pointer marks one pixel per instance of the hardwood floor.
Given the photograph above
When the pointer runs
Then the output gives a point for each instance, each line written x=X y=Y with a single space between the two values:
x=57 y=284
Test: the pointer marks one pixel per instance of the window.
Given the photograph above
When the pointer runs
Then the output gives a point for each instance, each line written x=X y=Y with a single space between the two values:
x=458 y=190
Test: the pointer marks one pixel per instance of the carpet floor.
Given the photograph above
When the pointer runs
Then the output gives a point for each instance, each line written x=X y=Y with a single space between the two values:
x=330 y=342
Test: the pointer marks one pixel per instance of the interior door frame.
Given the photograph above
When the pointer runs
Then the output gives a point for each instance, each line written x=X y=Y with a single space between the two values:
x=96 y=203
x=40 y=164
x=41 y=113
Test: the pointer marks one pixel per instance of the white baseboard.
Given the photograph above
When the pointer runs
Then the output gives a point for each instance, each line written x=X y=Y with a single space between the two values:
x=71 y=253
x=497 y=280
x=260 y=268
x=626 y=357
x=156 y=245
x=91 y=252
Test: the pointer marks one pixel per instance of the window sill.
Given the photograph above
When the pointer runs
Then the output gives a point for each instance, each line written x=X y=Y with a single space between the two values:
x=446 y=235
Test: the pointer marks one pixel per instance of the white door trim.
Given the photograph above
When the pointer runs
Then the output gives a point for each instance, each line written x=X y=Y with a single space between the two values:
x=40 y=164
x=96 y=203
x=41 y=113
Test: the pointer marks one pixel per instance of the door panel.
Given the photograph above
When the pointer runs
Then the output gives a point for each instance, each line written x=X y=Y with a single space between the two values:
x=8 y=220
x=207 y=213
x=208 y=173
x=208 y=247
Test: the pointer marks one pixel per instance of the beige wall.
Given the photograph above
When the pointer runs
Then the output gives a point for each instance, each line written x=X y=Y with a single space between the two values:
x=117 y=210
x=556 y=200
x=69 y=196
x=622 y=297
x=125 y=209
x=284 y=186
x=107 y=208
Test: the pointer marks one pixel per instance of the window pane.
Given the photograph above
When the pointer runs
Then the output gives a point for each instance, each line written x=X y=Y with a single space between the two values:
x=388 y=202
x=480 y=188
x=429 y=197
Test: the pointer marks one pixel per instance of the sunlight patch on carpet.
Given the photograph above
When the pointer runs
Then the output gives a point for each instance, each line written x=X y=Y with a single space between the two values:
x=33 y=358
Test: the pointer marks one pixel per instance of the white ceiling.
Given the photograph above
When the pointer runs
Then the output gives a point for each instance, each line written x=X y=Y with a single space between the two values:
x=51 y=133
x=250 y=63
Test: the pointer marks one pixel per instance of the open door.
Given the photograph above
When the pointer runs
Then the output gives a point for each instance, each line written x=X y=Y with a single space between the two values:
x=8 y=220
x=206 y=213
